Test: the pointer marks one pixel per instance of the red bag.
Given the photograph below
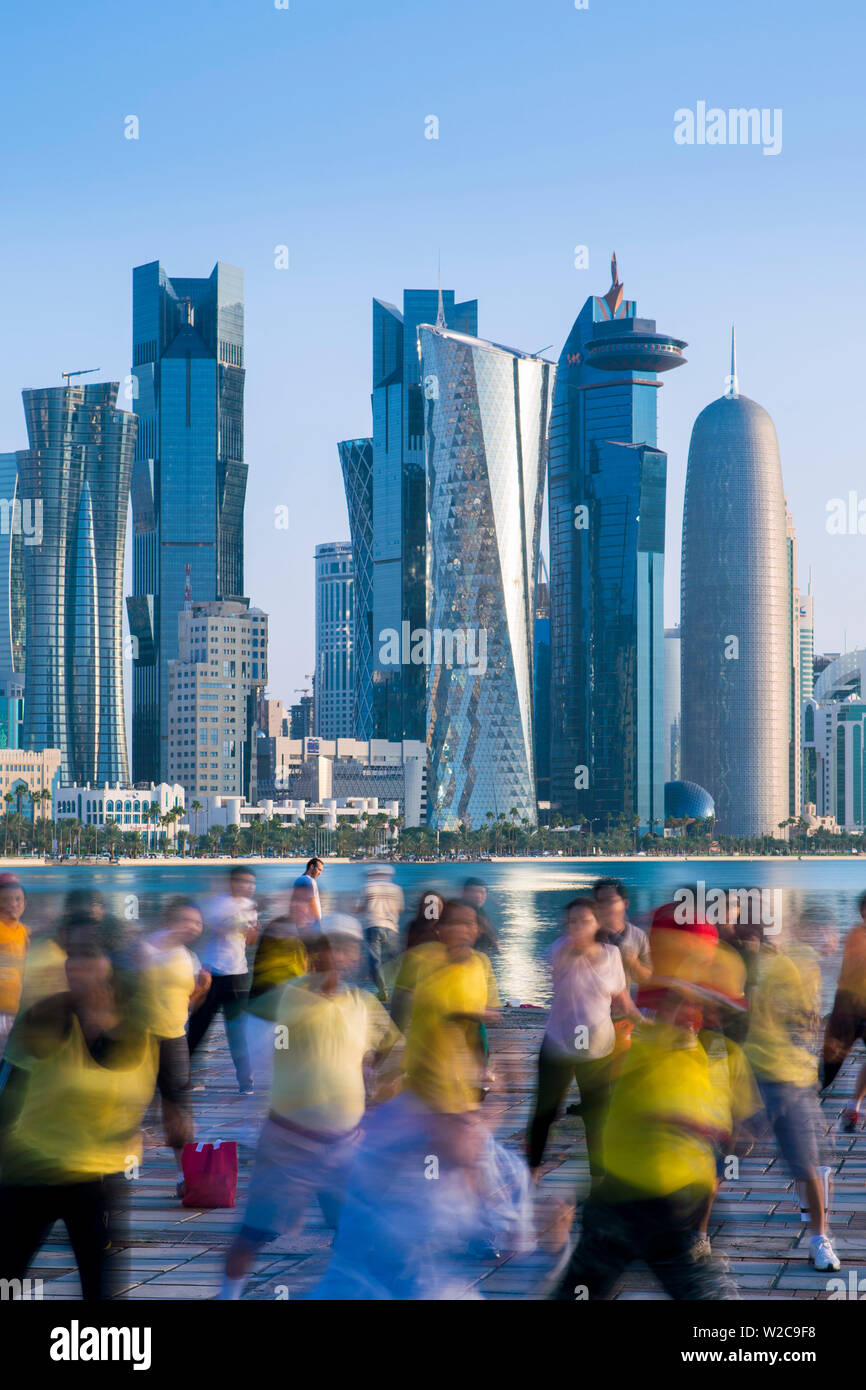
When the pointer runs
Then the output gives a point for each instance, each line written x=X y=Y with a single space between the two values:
x=210 y=1174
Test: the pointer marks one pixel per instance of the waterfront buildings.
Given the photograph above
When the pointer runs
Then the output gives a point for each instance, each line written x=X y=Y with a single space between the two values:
x=75 y=476
x=222 y=811
x=607 y=523
x=17 y=525
x=214 y=685
x=399 y=496
x=30 y=779
x=356 y=462
x=334 y=689
x=737 y=661
x=315 y=771
x=136 y=808
x=487 y=413
x=189 y=480
x=834 y=748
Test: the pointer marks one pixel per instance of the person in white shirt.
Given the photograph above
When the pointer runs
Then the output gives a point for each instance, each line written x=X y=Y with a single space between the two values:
x=588 y=982
x=233 y=924
x=381 y=906
x=305 y=905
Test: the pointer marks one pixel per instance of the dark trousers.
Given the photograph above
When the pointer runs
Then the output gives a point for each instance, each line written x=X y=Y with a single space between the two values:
x=845 y=1025
x=229 y=993
x=382 y=946
x=658 y=1230
x=172 y=1082
x=90 y=1213
x=555 y=1075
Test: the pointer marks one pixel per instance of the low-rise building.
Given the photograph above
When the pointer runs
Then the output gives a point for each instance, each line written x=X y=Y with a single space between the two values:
x=130 y=808
x=38 y=773
x=317 y=770
x=222 y=811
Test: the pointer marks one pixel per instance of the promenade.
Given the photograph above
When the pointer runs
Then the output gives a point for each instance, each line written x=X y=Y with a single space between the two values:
x=176 y=1252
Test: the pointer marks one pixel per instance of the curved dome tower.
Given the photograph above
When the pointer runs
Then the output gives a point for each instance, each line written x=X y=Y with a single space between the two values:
x=736 y=664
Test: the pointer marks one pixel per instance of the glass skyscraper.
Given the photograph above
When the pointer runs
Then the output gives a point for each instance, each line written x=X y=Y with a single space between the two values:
x=487 y=415
x=334 y=690
x=189 y=480
x=607 y=523
x=13 y=520
x=399 y=493
x=76 y=474
x=356 y=461
x=737 y=660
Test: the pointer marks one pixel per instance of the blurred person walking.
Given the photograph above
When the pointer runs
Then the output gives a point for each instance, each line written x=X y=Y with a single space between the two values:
x=14 y=940
x=305 y=905
x=232 y=921
x=847 y=1021
x=475 y=896
x=380 y=907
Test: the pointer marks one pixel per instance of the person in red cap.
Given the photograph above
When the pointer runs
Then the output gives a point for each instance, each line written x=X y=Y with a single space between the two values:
x=14 y=939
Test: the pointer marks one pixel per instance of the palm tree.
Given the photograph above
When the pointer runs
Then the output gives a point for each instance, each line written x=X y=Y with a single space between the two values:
x=195 y=808
x=152 y=814
x=8 y=798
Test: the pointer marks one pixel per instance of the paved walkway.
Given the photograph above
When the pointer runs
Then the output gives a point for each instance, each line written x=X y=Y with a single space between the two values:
x=177 y=1252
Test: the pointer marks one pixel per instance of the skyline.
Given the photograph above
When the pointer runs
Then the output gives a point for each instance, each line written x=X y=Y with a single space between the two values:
x=729 y=238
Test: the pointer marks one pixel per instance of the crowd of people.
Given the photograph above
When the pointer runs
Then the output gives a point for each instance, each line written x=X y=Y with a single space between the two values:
x=684 y=1041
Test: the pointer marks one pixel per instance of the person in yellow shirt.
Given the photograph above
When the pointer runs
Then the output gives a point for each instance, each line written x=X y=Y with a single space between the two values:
x=847 y=1022
x=326 y=1032
x=666 y=1122
x=77 y=1078
x=14 y=940
x=784 y=1012
x=176 y=983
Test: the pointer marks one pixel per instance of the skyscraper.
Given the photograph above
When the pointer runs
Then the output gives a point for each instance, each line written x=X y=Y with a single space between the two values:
x=541 y=675
x=795 y=746
x=334 y=688
x=356 y=461
x=189 y=479
x=607 y=523
x=76 y=474
x=488 y=409
x=672 y=703
x=15 y=522
x=736 y=617
x=399 y=494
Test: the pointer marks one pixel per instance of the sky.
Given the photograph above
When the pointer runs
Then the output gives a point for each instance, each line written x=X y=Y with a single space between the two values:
x=261 y=127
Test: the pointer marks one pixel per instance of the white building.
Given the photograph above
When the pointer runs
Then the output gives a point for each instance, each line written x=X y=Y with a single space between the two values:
x=834 y=760
x=317 y=770
x=222 y=660
x=128 y=807
x=222 y=811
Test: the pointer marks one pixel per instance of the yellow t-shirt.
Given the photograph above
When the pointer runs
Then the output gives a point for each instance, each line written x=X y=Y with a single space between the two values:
x=784 y=1007
x=170 y=977
x=443 y=1059
x=14 y=937
x=44 y=972
x=320 y=1042
x=667 y=1107
x=79 y=1119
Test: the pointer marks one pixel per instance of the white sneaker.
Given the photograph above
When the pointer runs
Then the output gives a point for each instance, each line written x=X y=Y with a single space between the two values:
x=822 y=1254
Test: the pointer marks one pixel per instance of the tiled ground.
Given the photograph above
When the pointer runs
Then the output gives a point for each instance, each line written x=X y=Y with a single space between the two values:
x=177 y=1252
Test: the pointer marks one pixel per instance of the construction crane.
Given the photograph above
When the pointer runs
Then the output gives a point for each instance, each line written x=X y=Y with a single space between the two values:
x=86 y=371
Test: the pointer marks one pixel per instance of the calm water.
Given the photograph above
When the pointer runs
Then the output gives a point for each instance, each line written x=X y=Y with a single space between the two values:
x=525 y=899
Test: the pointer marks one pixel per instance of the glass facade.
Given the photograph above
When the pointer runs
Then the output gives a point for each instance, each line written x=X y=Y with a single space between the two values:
x=736 y=619
x=334 y=690
x=356 y=461
x=399 y=498
x=189 y=480
x=77 y=472
x=607 y=518
x=834 y=758
x=687 y=799
x=488 y=411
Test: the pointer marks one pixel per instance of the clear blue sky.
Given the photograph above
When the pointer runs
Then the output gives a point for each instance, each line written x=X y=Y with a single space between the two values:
x=305 y=126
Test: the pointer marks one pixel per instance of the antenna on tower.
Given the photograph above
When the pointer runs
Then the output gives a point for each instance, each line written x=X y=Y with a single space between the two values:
x=441 y=325
x=187 y=589
x=86 y=371
x=733 y=384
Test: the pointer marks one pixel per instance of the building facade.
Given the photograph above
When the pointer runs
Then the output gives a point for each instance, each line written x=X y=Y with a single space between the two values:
x=541 y=691
x=129 y=808
x=315 y=770
x=356 y=462
x=18 y=524
x=189 y=480
x=736 y=618
x=76 y=476
x=399 y=494
x=31 y=780
x=607 y=522
x=219 y=673
x=488 y=409
x=334 y=689
x=672 y=704
x=834 y=733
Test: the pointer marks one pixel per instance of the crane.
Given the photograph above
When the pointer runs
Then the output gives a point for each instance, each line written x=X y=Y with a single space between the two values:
x=86 y=371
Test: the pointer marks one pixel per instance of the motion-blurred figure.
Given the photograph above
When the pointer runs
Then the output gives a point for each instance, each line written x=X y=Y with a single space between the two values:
x=588 y=983
x=78 y=1076
x=232 y=920
x=305 y=905
x=847 y=1022
x=14 y=940
x=176 y=983
x=424 y=926
x=381 y=906
x=324 y=1029
x=611 y=901
x=475 y=896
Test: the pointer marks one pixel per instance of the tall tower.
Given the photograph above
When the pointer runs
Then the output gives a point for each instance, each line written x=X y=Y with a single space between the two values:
x=76 y=476
x=356 y=461
x=19 y=526
x=488 y=409
x=189 y=480
x=399 y=497
x=607 y=523
x=736 y=617
x=335 y=647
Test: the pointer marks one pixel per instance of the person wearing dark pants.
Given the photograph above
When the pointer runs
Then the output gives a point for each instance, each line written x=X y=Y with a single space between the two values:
x=588 y=981
x=233 y=923
x=554 y=1078
x=229 y=993
x=91 y=1211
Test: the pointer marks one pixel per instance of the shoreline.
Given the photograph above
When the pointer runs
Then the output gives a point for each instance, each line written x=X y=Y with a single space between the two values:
x=257 y=861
